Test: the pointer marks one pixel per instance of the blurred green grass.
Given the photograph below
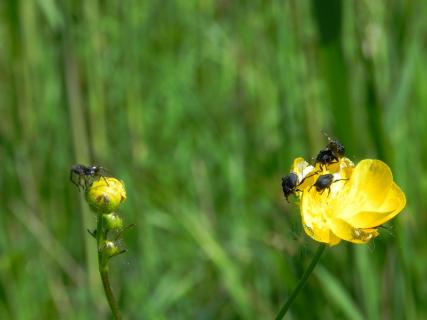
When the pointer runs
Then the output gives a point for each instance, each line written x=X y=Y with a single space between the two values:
x=200 y=106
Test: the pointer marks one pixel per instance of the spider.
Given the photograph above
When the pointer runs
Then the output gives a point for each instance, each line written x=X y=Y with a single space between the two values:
x=83 y=176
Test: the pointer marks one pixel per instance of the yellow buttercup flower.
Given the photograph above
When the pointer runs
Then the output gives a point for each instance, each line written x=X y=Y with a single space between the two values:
x=348 y=202
x=105 y=195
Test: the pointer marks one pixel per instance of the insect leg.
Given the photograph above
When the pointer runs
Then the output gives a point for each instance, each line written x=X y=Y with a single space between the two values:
x=73 y=180
x=310 y=175
x=340 y=180
x=106 y=181
x=87 y=184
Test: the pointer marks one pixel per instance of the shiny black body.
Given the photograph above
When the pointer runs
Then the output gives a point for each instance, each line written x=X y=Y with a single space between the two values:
x=83 y=176
x=324 y=182
x=289 y=184
x=336 y=147
x=325 y=157
x=331 y=154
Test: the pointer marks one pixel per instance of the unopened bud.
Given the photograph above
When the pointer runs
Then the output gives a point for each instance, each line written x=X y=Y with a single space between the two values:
x=110 y=248
x=105 y=195
x=111 y=221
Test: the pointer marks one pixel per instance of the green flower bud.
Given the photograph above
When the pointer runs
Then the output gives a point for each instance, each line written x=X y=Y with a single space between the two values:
x=111 y=221
x=110 y=248
x=105 y=195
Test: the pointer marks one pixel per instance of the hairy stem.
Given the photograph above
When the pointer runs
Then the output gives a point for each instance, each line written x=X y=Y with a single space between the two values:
x=103 y=269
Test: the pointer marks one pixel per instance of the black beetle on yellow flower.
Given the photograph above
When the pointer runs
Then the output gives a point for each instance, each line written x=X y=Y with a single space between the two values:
x=360 y=199
x=332 y=153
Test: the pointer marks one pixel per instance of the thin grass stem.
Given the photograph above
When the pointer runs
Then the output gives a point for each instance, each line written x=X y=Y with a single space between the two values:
x=302 y=282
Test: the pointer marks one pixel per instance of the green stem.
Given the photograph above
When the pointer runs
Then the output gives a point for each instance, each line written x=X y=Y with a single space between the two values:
x=101 y=236
x=302 y=282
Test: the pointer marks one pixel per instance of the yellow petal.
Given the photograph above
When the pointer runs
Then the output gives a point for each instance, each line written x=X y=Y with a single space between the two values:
x=303 y=170
x=347 y=232
x=393 y=204
x=369 y=183
x=321 y=235
x=370 y=190
x=344 y=166
x=299 y=165
x=314 y=220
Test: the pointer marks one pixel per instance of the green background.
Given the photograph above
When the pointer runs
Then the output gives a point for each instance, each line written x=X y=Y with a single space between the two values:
x=200 y=107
